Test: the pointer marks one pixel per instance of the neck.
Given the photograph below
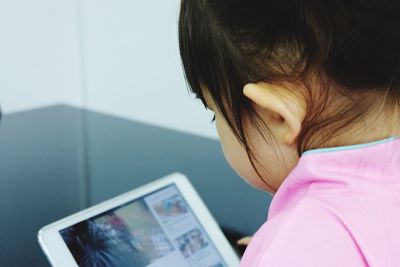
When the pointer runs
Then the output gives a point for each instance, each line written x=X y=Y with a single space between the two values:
x=370 y=116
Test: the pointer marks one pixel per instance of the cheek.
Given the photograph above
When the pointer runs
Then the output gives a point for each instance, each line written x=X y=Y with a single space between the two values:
x=237 y=157
x=229 y=144
x=234 y=154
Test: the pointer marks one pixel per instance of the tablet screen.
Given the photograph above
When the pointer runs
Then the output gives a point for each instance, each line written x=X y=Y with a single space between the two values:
x=158 y=229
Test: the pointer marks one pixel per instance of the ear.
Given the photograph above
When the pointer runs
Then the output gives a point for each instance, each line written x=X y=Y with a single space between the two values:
x=284 y=110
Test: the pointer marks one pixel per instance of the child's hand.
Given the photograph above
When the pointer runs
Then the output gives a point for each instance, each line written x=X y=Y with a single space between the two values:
x=244 y=241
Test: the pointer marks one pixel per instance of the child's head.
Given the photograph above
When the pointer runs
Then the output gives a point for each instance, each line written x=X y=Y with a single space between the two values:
x=286 y=76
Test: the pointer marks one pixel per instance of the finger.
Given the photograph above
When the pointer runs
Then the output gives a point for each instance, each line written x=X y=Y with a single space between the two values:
x=244 y=240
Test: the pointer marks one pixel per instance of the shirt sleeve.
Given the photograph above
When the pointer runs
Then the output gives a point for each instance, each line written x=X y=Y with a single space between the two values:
x=310 y=235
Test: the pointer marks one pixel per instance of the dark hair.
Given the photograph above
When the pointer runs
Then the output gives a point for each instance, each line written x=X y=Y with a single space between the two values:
x=354 y=45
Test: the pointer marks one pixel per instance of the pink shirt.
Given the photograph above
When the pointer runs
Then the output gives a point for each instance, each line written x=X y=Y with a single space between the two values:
x=339 y=206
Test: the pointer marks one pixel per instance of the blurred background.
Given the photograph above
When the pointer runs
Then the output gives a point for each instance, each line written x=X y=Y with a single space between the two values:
x=120 y=57
x=95 y=104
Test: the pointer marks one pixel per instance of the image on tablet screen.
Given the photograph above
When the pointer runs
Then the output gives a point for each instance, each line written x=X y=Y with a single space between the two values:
x=158 y=229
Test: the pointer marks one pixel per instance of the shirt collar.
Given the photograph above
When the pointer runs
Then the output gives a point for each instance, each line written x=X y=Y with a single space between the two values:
x=338 y=169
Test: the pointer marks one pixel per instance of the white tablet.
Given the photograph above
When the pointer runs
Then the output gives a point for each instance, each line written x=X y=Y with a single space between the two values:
x=163 y=224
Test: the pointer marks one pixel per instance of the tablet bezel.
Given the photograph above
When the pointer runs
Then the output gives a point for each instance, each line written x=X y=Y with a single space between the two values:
x=58 y=253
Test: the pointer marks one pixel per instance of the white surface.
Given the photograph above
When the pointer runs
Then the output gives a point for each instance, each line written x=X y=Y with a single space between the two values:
x=39 y=52
x=59 y=255
x=120 y=57
x=132 y=64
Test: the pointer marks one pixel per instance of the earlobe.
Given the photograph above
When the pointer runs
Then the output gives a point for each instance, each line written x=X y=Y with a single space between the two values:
x=274 y=101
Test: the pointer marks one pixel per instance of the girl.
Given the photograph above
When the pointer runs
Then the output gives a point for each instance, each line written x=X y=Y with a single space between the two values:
x=306 y=101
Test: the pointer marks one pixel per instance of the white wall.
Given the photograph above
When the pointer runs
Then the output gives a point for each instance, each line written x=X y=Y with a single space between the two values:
x=132 y=65
x=39 y=54
x=120 y=57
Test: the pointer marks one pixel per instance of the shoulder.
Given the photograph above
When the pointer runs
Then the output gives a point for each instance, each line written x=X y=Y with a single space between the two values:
x=310 y=234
